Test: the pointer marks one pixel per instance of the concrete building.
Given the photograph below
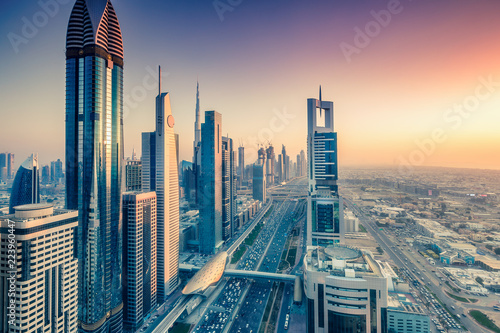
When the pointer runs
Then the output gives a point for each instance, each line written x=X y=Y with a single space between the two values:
x=406 y=316
x=346 y=291
x=139 y=258
x=211 y=183
x=325 y=217
x=47 y=270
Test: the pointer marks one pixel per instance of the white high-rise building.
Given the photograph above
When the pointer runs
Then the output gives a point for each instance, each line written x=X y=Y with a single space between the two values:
x=160 y=174
x=46 y=283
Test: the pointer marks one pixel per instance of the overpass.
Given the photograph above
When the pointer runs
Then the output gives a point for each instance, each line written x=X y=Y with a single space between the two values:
x=244 y=274
x=259 y=275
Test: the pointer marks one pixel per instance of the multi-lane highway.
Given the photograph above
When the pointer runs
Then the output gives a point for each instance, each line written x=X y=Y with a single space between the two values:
x=401 y=260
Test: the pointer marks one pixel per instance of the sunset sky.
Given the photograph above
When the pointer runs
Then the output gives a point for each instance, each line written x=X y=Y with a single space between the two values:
x=422 y=87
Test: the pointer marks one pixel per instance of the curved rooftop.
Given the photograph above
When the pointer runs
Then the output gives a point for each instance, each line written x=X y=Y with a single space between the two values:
x=341 y=252
x=31 y=162
x=207 y=275
x=94 y=23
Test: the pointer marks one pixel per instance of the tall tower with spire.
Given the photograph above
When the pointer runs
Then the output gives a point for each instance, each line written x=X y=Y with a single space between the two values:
x=197 y=149
x=197 y=124
x=160 y=174
x=325 y=217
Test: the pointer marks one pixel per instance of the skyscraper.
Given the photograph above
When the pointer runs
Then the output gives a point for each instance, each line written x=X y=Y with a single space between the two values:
x=160 y=174
x=94 y=158
x=303 y=161
x=210 y=227
x=133 y=175
x=325 y=217
x=197 y=151
x=45 y=174
x=10 y=166
x=241 y=165
x=3 y=167
x=270 y=166
x=228 y=188
x=139 y=257
x=47 y=271
x=56 y=172
x=259 y=182
x=26 y=186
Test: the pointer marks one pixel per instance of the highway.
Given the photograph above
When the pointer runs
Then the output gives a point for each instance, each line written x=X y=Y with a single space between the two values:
x=399 y=259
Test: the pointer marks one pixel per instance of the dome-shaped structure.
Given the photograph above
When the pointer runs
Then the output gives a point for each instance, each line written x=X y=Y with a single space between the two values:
x=94 y=23
x=207 y=275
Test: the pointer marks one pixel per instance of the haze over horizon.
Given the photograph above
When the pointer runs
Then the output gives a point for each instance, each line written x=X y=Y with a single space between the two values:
x=419 y=86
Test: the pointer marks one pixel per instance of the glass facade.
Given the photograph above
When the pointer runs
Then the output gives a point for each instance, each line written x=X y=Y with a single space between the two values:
x=346 y=323
x=26 y=186
x=94 y=155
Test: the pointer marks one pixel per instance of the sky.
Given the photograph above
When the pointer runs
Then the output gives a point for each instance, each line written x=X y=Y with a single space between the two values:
x=413 y=82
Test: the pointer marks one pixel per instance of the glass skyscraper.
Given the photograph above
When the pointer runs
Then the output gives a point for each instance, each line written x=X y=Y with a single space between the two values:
x=210 y=227
x=94 y=155
x=26 y=186
x=325 y=218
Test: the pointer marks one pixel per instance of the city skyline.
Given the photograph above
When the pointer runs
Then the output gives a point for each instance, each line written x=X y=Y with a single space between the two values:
x=392 y=96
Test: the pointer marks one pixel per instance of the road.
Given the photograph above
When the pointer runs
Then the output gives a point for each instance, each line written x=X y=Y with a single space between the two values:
x=398 y=258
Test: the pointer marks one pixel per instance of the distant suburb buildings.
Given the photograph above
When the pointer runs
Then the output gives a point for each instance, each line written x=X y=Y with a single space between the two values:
x=94 y=157
x=325 y=225
x=47 y=270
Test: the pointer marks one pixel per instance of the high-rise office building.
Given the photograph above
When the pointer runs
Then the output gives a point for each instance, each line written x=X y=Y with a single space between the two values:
x=228 y=188
x=94 y=158
x=10 y=165
x=325 y=217
x=270 y=166
x=133 y=175
x=241 y=165
x=303 y=166
x=56 y=172
x=160 y=174
x=259 y=182
x=26 y=186
x=298 y=171
x=346 y=290
x=3 y=167
x=139 y=257
x=148 y=161
x=47 y=271
x=210 y=227
x=45 y=174
x=280 y=169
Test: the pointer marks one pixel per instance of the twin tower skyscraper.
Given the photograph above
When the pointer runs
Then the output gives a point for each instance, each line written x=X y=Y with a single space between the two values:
x=94 y=159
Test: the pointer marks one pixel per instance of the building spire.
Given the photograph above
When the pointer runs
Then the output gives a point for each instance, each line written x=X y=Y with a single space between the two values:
x=197 y=125
x=320 y=93
x=159 y=80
